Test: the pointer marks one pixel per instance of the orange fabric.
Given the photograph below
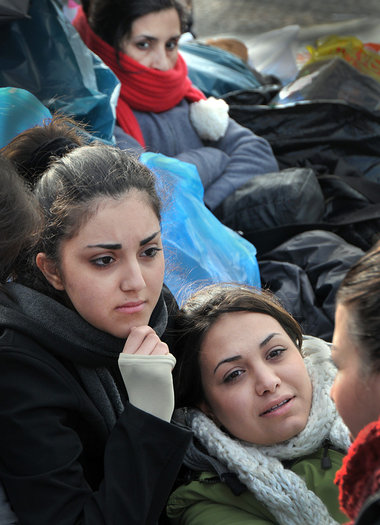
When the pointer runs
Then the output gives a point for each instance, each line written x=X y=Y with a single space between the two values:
x=364 y=57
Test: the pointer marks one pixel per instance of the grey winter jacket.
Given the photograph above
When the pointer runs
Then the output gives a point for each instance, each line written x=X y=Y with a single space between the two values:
x=223 y=166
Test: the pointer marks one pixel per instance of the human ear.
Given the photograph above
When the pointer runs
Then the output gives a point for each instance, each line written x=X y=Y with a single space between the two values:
x=49 y=268
x=206 y=409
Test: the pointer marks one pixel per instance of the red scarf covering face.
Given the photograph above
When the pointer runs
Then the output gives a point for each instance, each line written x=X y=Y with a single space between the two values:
x=359 y=476
x=142 y=88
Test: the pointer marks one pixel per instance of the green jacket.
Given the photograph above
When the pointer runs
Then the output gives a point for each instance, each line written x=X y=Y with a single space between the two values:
x=209 y=501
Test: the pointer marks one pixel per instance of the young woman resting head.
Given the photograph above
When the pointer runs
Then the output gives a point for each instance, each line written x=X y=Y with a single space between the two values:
x=255 y=393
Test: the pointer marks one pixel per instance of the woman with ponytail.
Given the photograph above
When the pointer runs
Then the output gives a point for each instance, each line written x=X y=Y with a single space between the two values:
x=86 y=392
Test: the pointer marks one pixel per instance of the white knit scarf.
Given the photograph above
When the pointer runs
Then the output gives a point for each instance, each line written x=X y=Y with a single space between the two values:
x=259 y=467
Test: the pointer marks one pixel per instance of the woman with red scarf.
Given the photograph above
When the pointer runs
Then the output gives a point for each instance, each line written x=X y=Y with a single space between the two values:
x=159 y=106
x=356 y=390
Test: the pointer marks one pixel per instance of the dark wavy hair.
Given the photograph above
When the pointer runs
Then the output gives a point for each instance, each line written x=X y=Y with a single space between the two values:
x=35 y=148
x=360 y=293
x=20 y=219
x=199 y=314
x=112 y=20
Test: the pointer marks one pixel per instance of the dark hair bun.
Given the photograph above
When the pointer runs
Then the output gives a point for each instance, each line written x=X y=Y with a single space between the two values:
x=43 y=155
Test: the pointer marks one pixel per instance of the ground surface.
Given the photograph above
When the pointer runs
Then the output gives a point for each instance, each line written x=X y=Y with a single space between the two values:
x=251 y=17
x=246 y=19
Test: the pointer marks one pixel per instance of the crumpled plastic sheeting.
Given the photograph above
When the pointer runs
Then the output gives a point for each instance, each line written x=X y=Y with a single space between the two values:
x=305 y=273
x=46 y=56
x=199 y=249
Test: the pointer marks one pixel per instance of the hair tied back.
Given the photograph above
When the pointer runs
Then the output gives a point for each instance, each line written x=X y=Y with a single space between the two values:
x=43 y=155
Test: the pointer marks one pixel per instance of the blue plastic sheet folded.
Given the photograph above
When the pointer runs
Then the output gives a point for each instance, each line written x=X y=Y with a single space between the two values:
x=198 y=248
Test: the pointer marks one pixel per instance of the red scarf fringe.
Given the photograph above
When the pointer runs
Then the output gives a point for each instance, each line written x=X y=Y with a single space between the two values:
x=359 y=476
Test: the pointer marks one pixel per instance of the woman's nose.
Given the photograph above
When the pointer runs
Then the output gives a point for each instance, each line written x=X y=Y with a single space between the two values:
x=267 y=381
x=160 y=60
x=132 y=278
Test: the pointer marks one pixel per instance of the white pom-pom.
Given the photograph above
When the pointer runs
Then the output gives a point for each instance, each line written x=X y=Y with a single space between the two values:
x=210 y=118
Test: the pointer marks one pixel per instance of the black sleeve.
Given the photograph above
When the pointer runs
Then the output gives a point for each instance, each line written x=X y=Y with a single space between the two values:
x=40 y=463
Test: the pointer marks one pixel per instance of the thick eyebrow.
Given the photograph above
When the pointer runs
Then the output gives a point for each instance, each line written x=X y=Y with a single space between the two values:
x=150 y=238
x=175 y=37
x=146 y=37
x=118 y=246
x=106 y=246
x=237 y=357
x=227 y=360
x=155 y=39
x=267 y=339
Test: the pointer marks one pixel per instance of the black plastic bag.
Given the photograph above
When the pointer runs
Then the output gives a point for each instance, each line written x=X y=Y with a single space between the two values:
x=326 y=136
x=305 y=273
x=13 y=9
x=333 y=79
x=327 y=119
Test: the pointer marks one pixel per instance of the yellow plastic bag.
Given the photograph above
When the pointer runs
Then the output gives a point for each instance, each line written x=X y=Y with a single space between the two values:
x=361 y=56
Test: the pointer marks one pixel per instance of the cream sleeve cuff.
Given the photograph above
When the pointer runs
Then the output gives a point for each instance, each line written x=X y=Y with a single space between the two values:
x=149 y=382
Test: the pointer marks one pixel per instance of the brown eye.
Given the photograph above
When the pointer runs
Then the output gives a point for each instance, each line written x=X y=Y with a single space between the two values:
x=173 y=44
x=235 y=374
x=151 y=252
x=143 y=46
x=103 y=261
x=276 y=352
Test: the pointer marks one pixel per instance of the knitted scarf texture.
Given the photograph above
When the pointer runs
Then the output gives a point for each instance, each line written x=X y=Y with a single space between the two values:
x=259 y=467
x=67 y=335
x=359 y=476
x=142 y=88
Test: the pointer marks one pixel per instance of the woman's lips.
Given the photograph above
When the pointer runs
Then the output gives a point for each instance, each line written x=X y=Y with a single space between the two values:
x=279 y=407
x=131 y=307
